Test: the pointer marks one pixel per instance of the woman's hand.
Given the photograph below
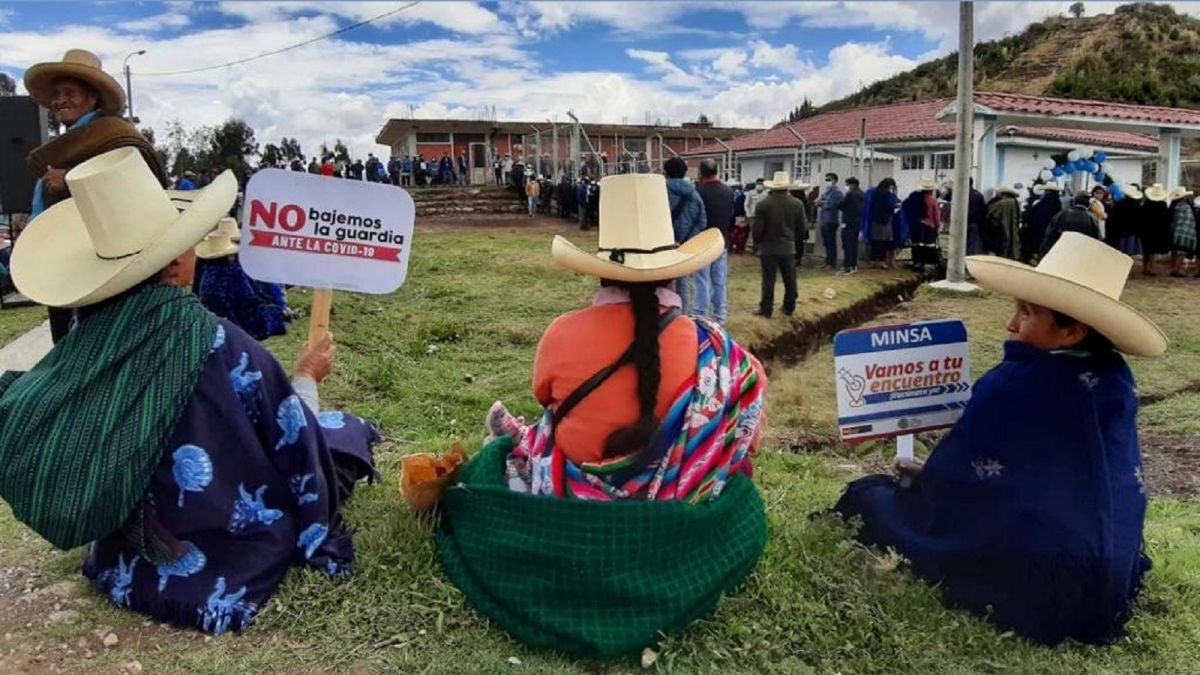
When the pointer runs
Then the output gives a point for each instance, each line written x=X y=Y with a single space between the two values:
x=316 y=362
x=54 y=179
x=909 y=468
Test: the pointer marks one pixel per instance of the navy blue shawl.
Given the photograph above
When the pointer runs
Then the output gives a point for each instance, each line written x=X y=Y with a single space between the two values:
x=1031 y=510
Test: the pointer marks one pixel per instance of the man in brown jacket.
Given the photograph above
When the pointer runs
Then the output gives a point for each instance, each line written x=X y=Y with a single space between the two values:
x=780 y=224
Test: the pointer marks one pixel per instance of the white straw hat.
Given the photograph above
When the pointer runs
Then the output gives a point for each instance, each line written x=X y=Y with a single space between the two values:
x=221 y=242
x=1082 y=278
x=119 y=228
x=780 y=181
x=1156 y=193
x=81 y=65
x=637 y=241
x=1007 y=190
x=1179 y=192
x=926 y=184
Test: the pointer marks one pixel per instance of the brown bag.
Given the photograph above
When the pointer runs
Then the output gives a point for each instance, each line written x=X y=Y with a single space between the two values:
x=424 y=477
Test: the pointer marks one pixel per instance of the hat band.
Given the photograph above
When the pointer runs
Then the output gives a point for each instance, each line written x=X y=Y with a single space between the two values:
x=617 y=255
x=117 y=257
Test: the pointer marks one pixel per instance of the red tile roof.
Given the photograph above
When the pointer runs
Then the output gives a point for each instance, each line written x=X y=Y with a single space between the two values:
x=1112 y=139
x=911 y=120
x=917 y=120
x=1042 y=105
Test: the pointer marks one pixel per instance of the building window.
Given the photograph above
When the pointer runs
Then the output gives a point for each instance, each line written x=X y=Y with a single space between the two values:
x=635 y=145
x=429 y=137
x=769 y=168
x=943 y=162
x=912 y=162
x=1149 y=172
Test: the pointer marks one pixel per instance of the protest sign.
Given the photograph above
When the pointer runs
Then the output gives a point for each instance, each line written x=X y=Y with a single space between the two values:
x=327 y=233
x=899 y=380
x=308 y=230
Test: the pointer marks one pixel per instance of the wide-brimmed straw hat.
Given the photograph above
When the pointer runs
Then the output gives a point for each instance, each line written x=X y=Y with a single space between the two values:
x=1132 y=191
x=119 y=228
x=926 y=184
x=221 y=242
x=81 y=65
x=1007 y=190
x=1156 y=193
x=637 y=241
x=781 y=181
x=1179 y=192
x=1082 y=278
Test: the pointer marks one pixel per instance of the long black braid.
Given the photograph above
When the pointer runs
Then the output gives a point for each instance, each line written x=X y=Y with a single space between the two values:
x=637 y=436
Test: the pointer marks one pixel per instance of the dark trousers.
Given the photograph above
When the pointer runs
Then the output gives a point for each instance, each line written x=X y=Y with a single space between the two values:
x=829 y=241
x=785 y=265
x=850 y=235
x=60 y=322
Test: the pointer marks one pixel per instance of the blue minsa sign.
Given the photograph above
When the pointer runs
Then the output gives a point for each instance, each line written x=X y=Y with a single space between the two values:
x=901 y=379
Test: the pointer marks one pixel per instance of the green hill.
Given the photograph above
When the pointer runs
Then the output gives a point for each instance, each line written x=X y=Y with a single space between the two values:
x=1141 y=53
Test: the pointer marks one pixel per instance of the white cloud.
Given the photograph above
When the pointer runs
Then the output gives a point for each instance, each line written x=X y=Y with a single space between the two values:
x=157 y=22
x=468 y=18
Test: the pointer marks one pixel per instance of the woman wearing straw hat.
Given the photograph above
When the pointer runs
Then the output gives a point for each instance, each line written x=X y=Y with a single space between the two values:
x=1002 y=225
x=227 y=291
x=660 y=412
x=89 y=102
x=1124 y=221
x=1037 y=220
x=1183 y=229
x=1030 y=512
x=1156 y=231
x=168 y=439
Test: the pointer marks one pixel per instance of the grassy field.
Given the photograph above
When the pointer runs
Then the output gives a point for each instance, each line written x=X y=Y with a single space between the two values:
x=427 y=362
x=15 y=322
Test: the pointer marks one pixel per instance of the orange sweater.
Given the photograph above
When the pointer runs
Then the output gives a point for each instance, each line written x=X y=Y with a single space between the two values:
x=578 y=344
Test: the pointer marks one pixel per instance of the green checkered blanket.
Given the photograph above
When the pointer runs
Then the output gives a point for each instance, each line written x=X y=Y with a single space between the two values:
x=593 y=579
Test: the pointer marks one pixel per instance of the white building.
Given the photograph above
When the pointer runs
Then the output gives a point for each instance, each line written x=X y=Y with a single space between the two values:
x=1014 y=136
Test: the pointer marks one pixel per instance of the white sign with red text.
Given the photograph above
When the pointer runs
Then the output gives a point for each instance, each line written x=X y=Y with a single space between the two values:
x=310 y=230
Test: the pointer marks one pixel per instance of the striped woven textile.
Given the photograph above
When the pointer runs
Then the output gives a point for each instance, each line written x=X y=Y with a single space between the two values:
x=708 y=435
x=82 y=432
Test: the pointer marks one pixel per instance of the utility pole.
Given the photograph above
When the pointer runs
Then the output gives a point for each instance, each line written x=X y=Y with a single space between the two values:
x=129 y=83
x=956 y=273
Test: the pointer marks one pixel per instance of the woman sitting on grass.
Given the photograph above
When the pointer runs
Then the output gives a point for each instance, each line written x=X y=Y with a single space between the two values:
x=227 y=291
x=165 y=438
x=1030 y=512
x=640 y=462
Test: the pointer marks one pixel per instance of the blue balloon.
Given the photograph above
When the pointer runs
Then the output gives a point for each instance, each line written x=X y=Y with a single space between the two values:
x=1077 y=166
x=1100 y=157
x=1058 y=171
x=1100 y=176
x=1116 y=192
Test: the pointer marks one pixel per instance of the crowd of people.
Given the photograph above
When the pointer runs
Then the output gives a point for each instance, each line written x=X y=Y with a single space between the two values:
x=222 y=472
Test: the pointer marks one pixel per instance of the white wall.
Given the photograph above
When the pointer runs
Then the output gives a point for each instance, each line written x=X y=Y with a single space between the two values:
x=1019 y=166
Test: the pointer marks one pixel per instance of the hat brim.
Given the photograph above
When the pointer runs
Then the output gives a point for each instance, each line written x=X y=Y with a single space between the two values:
x=1128 y=329
x=693 y=255
x=772 y=185
x=219 y=248
x=55 y=264
x=39 y=82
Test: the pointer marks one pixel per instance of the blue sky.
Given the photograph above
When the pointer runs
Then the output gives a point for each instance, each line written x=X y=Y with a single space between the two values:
x=743 y=64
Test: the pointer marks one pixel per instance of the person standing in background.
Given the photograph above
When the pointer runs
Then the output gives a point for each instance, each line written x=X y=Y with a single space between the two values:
x=718 y=199
x=88 y=102
x=687 y=217
x=781 y=222
x=851 y=208
x=828 y=201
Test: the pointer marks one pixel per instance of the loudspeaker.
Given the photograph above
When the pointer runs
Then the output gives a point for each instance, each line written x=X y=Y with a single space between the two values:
x=22 y=128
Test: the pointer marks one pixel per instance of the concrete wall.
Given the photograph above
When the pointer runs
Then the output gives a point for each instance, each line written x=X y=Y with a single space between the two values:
x=1017 y=165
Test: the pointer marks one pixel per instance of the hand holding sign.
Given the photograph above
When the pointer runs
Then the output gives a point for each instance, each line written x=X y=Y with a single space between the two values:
x=308 y=230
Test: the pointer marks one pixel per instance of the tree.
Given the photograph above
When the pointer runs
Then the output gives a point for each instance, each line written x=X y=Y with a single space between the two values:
x=271 y=155
x=290 y=149
x=8 y=86
x=231 y=146
x=1076 y=10
x=340 y=152
x=161 y=150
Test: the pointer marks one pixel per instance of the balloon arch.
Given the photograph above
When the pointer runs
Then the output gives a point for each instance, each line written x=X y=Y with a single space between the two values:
x=1087 y=161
